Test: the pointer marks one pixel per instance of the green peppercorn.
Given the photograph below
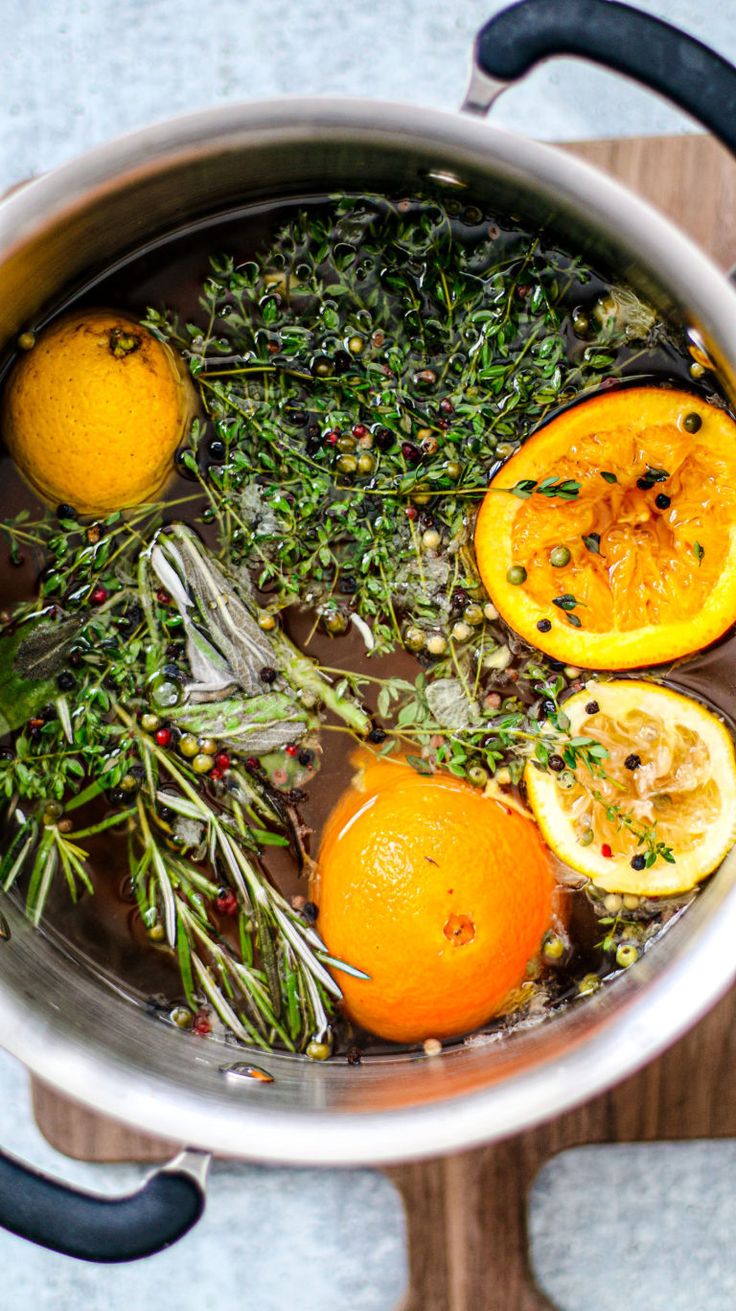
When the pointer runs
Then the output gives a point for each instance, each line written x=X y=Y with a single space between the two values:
x=346 y=443
x=202 y=763
x=355 y=345
x=436 y=644
x=580 y=323
x=696 y=370
x=473 y=614
x=478 y=776
x=414 y=638
x=366 y=464
x=553 y=948
x=347 y=463
x=26 y=341
x=612 y=903
x=566 y=779
x=461 y=631
x=128 y=783
x=586 y=837
x=505 y=449
x=559 y=557
x=692 y=422
x=631 y=901
x=490 y=611
x=52 y=811
x=335 y=623
x=588 y=983
x=266 y=620
x=149 y=723
x=318 y=1051
x=453 y=469
x=626 y=954
x=431 y=539
x=516 y=575
x=181 y=1016
x=188 y=745
x=208 y=745
x=157 y=933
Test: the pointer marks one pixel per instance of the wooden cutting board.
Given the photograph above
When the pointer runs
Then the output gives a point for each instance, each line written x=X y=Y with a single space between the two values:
x=466 y=1212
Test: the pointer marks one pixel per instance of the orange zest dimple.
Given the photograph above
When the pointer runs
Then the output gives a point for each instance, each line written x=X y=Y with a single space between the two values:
x=651 y=534
x=439 y=893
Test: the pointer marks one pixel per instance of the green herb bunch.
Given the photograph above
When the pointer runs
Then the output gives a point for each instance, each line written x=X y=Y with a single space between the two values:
x=361 y=381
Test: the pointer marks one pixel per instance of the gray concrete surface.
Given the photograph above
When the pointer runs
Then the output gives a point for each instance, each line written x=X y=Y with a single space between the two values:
x=272 y=1239
x=642 y=1226
x=72 y=75
x=76 y=73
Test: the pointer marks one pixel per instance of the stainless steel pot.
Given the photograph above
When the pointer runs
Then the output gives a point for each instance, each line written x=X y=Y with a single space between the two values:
x=83 y=1036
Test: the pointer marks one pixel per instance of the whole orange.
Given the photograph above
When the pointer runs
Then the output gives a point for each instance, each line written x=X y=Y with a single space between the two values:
x=440 y=894
x=93 y=414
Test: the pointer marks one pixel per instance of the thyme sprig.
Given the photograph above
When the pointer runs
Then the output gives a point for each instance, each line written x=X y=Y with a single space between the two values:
x=375 y=363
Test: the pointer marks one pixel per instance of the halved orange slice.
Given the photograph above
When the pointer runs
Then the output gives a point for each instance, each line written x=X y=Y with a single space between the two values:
x=617 y=547
x=661 y=815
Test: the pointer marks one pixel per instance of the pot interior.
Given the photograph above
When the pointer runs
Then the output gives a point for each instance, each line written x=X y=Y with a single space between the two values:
x=80 y=1031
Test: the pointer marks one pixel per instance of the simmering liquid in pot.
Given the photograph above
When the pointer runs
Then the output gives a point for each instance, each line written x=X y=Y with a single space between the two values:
x=105 y=930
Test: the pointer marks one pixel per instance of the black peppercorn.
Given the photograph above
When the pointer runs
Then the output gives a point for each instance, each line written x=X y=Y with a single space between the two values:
x=305 y=758
x=377 y=735
x=547 y=707
x=65 y=681
x=65 y=511
x=7 y=753
x=592 y=708
x=692 y=422
x=662 y=502
x=384 y=438
x=342 y=362
x=269 y=674
x=633 y=761
x=638 y=862
x=556 y=763
x=216 y=450
x=643 y=484
x=544 y=625
x=410 y=453
x=310 y=911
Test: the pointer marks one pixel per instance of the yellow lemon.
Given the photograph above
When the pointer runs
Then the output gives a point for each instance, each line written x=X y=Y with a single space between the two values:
x=662 y=815
x=93 y=414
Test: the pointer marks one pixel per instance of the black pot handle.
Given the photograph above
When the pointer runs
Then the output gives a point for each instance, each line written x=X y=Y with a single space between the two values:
x=104 y=1229
x=648 y=49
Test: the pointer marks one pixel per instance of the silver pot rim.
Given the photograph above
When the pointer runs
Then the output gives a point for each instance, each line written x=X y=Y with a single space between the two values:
x=636 y=1021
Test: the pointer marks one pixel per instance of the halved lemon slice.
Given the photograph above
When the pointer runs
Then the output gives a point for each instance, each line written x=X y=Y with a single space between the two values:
x=618 y=548
x=662 y=815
